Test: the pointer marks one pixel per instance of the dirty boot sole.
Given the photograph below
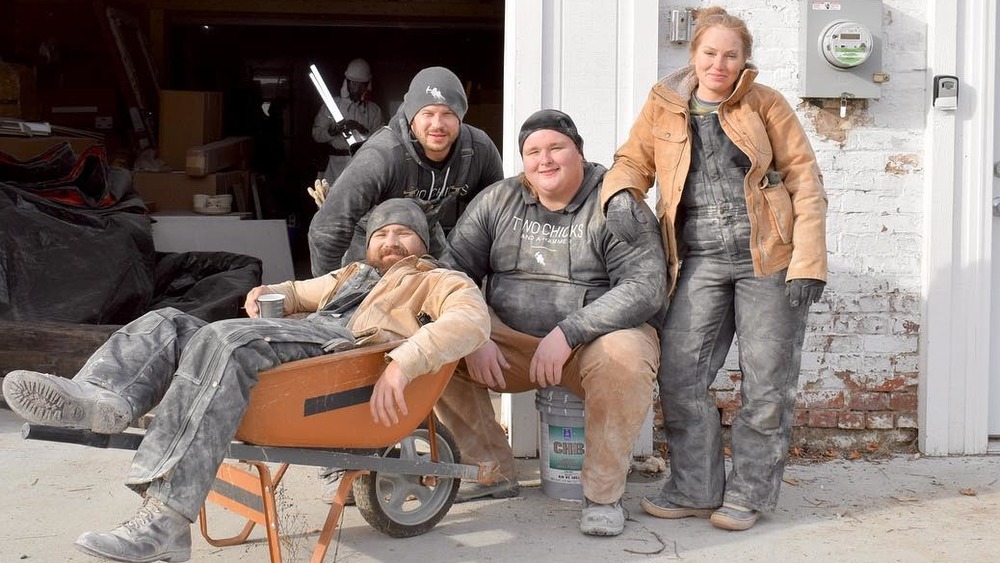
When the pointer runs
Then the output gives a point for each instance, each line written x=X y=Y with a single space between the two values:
x=663 y=508
x=177 y=556
x=51 y=400
x=736 y=519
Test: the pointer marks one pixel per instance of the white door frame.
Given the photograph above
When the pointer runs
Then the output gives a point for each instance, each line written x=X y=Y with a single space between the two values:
x=993 y=426
x=957 y=277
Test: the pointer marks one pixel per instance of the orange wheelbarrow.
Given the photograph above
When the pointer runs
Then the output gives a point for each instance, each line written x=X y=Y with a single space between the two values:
x=315 y=412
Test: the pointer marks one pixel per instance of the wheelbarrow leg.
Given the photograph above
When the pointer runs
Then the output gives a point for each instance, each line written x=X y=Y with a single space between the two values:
x=333 y=517
x=253 y=499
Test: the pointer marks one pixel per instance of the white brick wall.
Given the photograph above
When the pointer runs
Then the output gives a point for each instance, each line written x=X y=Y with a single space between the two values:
x=866 y=329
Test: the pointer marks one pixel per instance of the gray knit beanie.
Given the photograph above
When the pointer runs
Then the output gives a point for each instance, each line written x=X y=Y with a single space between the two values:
x=552 y=119
x=398 y=211
x=435 y=85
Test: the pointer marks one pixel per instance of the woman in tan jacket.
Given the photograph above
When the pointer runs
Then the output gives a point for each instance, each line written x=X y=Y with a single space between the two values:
x=742 y=212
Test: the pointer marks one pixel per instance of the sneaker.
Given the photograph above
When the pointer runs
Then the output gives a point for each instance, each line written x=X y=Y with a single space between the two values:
x=603 y=519
x=472 y=490
x=331 y=483
x=156 y=533
x=734 y=517
x=51 y=400
x=660 y=507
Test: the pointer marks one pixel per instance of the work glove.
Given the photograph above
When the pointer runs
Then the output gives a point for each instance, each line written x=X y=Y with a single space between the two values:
x=625 y=219
x=318 y=191
x=347 y=126
x=804 y=290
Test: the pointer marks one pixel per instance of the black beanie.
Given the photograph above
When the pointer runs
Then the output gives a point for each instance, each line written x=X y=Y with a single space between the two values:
x=435 y=85
x=552 y=119
x=398 y=211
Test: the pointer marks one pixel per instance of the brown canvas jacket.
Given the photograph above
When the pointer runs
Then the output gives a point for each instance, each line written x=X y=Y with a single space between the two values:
x=787 y=219
x=413 y=286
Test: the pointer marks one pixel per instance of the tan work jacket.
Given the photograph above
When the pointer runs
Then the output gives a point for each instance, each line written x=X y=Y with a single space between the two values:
x=787 y=219
x=412 y=288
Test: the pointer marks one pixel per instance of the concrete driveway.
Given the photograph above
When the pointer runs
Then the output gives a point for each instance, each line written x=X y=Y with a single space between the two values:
x=901 y=509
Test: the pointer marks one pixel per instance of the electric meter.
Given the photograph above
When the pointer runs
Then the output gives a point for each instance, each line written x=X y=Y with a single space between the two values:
x=845 y=44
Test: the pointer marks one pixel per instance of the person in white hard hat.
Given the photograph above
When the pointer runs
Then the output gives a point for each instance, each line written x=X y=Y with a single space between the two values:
x=361 y=115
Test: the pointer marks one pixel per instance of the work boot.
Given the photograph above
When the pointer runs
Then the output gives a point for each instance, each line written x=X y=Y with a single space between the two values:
x=602 y=519
x=734 y=517
x=472 y=490
x=331 y=478
x=660 y=507
x=156 y=533
x=51 y=400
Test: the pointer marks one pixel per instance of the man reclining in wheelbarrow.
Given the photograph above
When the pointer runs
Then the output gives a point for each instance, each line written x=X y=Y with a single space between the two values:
x=200 y=374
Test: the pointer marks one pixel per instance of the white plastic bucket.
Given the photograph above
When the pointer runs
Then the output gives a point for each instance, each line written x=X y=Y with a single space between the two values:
x=562 y=442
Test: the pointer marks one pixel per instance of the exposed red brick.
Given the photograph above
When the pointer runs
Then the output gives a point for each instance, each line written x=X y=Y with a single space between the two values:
x=847 y=376
x=879 y=420
x=893 y=384
x=851 y=420
x=906 y=420
x=729 y=400
x=823 y=418
x=864 y=401
x=728 y=416
x=903 y=401
x=801 y=417
x=828 y=399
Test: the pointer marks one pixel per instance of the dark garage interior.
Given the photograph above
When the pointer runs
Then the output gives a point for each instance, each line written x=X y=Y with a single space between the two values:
x=82 y=77
x=256 y=53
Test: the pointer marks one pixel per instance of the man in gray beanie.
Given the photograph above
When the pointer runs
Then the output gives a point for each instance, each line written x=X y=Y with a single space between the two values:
x=397 y=211
x=198 y=375
x=571 y=305
x=425 y=153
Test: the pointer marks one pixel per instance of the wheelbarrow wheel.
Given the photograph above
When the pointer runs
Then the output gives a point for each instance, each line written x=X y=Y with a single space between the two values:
x=404 y=506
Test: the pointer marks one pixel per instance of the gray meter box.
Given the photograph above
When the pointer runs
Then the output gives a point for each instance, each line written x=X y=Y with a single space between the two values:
x=840 y=49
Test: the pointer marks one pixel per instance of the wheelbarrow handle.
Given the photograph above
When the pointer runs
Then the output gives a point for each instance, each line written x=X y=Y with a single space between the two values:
x=124 y=441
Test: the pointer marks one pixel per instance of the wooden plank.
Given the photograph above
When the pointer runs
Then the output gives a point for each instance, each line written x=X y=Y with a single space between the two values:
x=231 y=152
x=49 y=347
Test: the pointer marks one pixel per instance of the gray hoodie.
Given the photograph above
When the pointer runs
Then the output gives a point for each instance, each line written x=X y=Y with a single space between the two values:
x=545 y=269
x=392 y=164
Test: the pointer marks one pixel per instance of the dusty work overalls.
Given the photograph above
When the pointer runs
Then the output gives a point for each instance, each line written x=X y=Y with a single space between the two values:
x=718 y=295
x=200 y=375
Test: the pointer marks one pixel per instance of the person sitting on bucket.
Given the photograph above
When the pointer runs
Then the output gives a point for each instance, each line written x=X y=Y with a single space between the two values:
x=200 y=374
x=571 y=305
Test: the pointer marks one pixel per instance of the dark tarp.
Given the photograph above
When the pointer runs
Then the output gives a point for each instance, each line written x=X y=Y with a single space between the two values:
x=76 y=246
x=209 y=285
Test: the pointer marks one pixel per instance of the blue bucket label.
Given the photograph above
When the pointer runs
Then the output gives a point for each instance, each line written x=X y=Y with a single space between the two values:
x=565 y=448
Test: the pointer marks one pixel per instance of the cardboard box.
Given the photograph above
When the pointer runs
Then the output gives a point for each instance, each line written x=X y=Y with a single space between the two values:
x=93 y=109
x=25 y=148
x=187 y=119
x=231 y=152
x=18 y=96
x=173 y=191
